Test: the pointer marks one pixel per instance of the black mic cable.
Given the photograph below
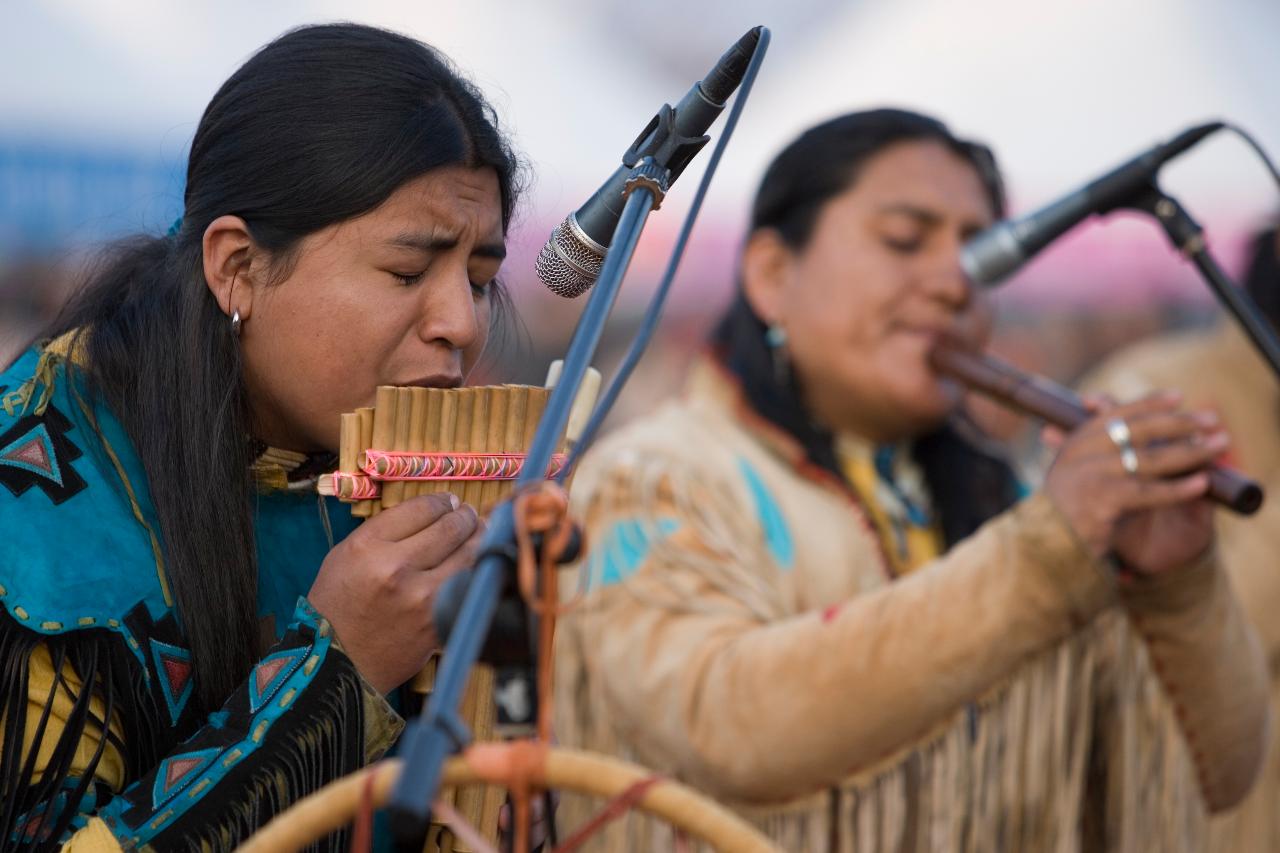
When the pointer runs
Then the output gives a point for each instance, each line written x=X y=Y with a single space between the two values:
x=653 y=313
x=573 y=256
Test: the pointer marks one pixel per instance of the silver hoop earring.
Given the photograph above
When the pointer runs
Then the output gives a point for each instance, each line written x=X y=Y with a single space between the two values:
x=236 y=323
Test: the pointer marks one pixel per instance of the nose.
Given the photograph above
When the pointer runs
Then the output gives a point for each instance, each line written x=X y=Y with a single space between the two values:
x=448 y=311
x=946 y=281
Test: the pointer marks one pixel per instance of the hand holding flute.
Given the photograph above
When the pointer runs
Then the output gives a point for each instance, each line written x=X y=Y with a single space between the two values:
x=1129 y=479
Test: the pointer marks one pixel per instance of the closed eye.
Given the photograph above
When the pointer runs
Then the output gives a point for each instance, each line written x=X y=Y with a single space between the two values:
x=908 y=246
x=409 y=279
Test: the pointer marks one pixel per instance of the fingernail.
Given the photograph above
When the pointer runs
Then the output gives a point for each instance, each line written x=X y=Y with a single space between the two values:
x=1218 y=441
x=1206 y=418
x=453 y=501
x=1172 y=395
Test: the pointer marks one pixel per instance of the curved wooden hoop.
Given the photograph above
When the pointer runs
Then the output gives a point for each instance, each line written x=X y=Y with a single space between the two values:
x=335 y=805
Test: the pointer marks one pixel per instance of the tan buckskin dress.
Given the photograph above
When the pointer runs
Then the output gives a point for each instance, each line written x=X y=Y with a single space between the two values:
x=741 y=633
x=1220 y=370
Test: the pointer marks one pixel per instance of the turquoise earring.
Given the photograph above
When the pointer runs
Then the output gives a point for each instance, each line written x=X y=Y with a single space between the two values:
x=775 y=337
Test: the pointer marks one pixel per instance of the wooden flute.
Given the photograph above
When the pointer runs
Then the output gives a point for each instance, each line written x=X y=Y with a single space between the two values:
x=1051 y=402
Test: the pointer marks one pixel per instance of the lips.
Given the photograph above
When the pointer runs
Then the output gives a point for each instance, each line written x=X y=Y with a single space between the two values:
x=434 y=380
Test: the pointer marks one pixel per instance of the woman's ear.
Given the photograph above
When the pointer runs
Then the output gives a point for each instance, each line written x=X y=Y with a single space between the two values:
x=228 y=252
x=766 y=268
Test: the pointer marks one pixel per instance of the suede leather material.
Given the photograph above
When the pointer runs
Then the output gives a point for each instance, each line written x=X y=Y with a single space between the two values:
x=697 y=653
x=1219 y=369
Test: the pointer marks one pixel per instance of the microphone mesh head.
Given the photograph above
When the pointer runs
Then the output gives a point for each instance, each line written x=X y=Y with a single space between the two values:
x=570 y=261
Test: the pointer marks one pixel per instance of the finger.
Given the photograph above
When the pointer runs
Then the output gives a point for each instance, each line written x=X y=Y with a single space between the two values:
x=429 y=547
x=405 y=519
x=1133 y=494
x=423 y=586
x=1094 y=433
x=1097 y=403
x=1160 y=401
x=1158 y=427
x=1052 y=437
x=1180 y=457
x=464 y=556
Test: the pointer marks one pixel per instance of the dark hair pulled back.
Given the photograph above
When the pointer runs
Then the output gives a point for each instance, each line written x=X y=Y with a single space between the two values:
x=319 y=126
x=826 y=160
x=968 y=485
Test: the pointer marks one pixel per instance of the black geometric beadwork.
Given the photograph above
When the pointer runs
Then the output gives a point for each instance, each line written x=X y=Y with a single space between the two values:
x=35 y=451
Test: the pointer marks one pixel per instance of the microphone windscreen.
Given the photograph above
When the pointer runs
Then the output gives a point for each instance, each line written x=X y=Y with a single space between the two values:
x=570 y=262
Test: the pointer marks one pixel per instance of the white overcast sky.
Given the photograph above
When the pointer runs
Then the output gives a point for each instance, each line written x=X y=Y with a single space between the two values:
x=1061 y=89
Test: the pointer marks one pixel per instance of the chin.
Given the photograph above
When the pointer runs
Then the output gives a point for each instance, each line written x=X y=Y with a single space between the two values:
x=928 y=406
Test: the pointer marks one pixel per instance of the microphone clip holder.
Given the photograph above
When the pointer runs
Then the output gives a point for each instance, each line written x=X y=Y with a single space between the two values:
x=668 y=149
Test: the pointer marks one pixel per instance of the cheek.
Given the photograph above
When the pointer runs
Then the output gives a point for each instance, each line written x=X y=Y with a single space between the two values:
x=325 y=334
x=320 y=347
x=484 y=320
x=837 y=327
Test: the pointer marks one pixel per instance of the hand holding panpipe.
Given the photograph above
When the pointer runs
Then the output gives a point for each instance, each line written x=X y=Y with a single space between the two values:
x=1051 y=402
x=472 y=442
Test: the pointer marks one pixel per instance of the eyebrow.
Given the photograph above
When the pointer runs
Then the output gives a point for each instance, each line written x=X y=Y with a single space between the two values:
x=927 y=217
x=440 y=243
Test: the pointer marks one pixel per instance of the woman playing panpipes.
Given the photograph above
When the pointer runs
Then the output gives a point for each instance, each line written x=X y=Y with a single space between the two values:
x=190 y=639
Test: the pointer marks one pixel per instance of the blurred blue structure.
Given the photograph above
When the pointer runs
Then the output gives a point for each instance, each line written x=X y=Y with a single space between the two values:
x=55 y=195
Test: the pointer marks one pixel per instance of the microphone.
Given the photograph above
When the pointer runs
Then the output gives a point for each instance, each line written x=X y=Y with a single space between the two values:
x=1002 y=249
x=570 y=262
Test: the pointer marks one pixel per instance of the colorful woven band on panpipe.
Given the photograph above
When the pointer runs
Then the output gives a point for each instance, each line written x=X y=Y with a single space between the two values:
x=397 y=466
x=356 y=487
x=384 y=466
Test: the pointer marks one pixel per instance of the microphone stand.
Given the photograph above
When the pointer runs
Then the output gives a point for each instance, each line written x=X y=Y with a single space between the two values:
x=439 y=731
x=1188 y=238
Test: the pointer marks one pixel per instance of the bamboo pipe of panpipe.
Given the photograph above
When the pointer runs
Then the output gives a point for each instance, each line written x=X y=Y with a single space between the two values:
x=364 y=509
x=394 y=493
x=417 y=428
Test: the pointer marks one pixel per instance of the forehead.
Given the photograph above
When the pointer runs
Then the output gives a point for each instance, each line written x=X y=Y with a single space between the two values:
x=454 y=201
x=925 y=175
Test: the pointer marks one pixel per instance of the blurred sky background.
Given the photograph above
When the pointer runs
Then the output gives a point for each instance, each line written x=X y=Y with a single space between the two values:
x=99 y=101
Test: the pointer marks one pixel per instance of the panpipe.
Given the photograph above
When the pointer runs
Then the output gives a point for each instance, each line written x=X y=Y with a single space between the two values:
x=1051 y=402
x=471 y=442
x=415 y=441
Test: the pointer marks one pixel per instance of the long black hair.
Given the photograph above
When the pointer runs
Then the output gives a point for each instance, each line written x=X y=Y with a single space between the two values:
x=968 y=486
x=320 y=126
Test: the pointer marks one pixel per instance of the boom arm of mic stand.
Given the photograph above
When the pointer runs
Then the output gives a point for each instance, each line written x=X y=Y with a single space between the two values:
x=439 y=732
x=1188 y=237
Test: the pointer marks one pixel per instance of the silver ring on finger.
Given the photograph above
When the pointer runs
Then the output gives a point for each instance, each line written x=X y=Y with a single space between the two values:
x=1122 y=438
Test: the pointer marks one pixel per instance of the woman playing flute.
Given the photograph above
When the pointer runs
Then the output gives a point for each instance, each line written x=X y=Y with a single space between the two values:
x=189 y=641
x=817 y=592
